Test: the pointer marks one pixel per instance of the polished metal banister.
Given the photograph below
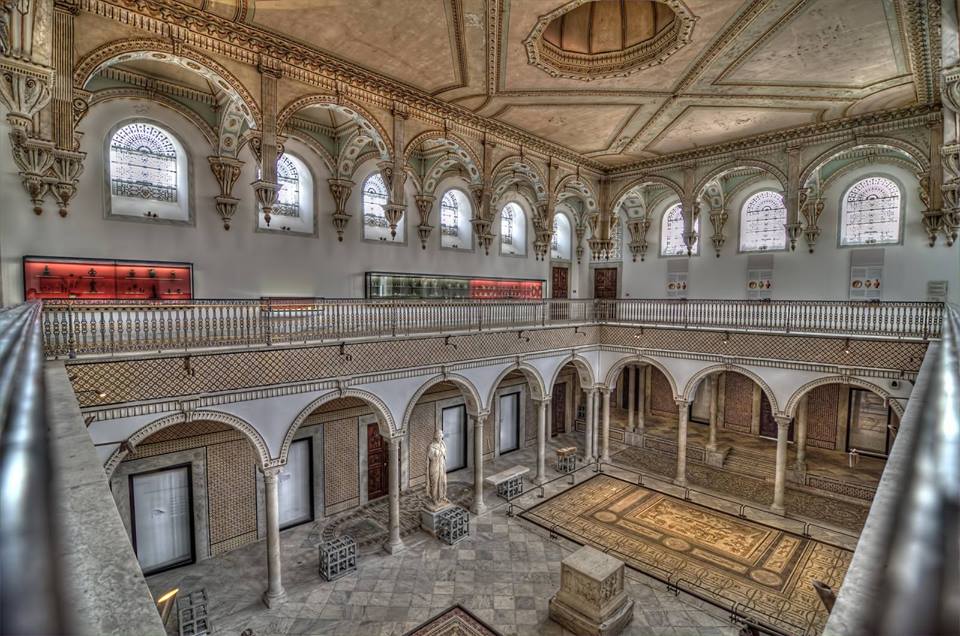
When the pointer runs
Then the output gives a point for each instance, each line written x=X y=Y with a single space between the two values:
x=31 y=597
x=76 y=327
x=905 y=574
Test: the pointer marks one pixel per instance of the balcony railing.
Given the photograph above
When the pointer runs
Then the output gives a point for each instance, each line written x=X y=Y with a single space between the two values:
x=73 y=328
x=905 y=574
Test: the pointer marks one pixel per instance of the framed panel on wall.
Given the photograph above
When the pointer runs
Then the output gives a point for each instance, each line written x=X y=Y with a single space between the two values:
x=295 y=485
x=454 y=422
x=161 y=508
x=423 y=286
x=51 y=277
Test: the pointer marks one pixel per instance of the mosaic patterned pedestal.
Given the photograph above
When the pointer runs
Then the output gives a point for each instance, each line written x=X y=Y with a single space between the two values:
x=592 y=600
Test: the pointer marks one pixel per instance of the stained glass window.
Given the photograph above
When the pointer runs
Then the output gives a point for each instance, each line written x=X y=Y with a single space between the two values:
x=506 y=224
x=513 y=226
x=143 y=163
x=671 y=233
x=871 y=212
x=374 y=198
x=288 y=198
x=560 y=245
x=762 y=220
x=450 y=214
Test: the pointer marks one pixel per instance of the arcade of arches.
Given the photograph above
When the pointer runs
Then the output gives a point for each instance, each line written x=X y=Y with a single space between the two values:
x=662 y=275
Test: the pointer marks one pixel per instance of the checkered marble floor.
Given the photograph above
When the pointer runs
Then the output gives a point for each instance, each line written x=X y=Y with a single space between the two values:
x=505 y=573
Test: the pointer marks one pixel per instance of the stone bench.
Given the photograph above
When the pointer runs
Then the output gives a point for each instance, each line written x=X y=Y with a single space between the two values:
x=509 y=482
x=567 y=459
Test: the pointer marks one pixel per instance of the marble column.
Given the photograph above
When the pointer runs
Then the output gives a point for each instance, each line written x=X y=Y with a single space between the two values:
x=275 y=592
x=780 y=479
x=478 y=507
x=714 y=381
x=595 y=444
x=631 y=394
x=542 y=406
x=588 y=434
x=683 y=409
x=605 y=427
x=641 y=399
x=801 y=464
x=394 y=543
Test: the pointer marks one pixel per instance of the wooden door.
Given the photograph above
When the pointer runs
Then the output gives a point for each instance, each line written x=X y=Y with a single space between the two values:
x=605 y=282
x=768 y=425
x=558 y=406
x=560 y=283
x=376 y=463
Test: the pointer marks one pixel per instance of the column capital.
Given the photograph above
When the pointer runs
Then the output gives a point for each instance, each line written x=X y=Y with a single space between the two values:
x=270 y=472
x=542 y=401
x=604 y=390
x=783 y=420
x=682 y=401
x=393 y=442
x=591 y=390
x=481 y=416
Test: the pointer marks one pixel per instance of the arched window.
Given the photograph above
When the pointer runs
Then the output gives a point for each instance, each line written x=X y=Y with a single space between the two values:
x=513 y=230
x=375 y=224
x=560 y=245
x=147 y=173
x=616 y=240
x=455 y=214
x=288 y=178
x=293 y=210
x=671 y=233
x=870 y=213
x=762 y=221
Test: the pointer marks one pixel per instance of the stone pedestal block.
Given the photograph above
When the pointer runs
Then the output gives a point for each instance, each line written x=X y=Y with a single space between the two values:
x=716 y=457
x=429 y=518
x=592 y=600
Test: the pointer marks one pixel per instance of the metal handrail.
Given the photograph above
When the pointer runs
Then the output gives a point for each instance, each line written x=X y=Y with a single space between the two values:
x=83 y=327
x=905 y=574
x=31 y=596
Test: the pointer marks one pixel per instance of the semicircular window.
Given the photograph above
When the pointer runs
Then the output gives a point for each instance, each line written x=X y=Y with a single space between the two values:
x=143 y=163
x=871 y=212
x=288 y=178
x=762 y=222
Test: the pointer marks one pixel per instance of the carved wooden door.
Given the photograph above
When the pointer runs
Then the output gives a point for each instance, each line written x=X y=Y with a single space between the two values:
x=376 y=463
x=605 y=282
x=560 y=282
x=558 y=406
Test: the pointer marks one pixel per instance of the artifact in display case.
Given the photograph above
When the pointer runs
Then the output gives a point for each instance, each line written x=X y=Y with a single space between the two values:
x=87 y=279
x=416 y=286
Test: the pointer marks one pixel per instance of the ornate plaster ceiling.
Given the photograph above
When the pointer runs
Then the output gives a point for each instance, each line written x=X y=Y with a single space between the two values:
x=746 y=67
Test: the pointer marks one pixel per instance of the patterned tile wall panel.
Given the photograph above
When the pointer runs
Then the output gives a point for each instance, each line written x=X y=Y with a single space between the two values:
x=530 y=419
x=738 y=403
x=423 y=422
x=341 y=447
x=661 y=395
x=189 y=429
x=823 y=403
x=186 y=442
x=232 y=494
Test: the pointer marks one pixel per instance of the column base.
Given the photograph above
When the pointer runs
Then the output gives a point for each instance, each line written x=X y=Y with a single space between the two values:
x=778 y=510
x=272 y=599
x=680 y=482
x=539 y=480
x=478 y=509
x=394 y=548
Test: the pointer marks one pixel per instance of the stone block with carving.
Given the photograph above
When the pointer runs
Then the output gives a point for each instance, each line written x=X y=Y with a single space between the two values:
x=592 y=600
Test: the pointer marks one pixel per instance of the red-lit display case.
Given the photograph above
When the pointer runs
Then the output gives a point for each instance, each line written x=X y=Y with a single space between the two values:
x=102 y=279
x=425 y=286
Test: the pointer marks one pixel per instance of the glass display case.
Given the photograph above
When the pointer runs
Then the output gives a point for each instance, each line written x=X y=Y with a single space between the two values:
x=102 y=279
x=424 y=286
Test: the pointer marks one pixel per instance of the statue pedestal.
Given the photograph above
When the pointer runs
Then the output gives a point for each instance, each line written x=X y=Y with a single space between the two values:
x=428 y=518
x=592 y=600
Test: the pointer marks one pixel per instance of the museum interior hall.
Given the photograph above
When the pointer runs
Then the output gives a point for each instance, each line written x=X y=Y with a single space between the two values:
x=480 y=317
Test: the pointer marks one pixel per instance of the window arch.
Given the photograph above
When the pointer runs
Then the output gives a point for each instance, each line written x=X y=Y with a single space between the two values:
x=513 y=230
x=671 y=233
x=870 y=212
x=561 y=242
x=762 y=222
x=375 y=197
x=147 y=173
x=293 y=209
x=455 y=214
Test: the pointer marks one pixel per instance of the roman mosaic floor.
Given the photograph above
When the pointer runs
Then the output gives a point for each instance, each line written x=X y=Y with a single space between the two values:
x=766 y=571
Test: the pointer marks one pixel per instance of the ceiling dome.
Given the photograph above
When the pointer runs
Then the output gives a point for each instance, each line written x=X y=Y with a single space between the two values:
x=608 y=38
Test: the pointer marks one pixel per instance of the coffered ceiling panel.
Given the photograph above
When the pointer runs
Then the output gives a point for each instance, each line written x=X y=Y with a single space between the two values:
x=412 y=41
x=584 y=127
x=828 y=43
x=705 y=125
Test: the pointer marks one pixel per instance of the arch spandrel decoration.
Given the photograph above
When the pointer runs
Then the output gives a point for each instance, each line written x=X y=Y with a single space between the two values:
x=518 y=170
x=690 y=389
x=735 y=164
x=617 y=367
x=456 y=154
x=916 y=155
x=470 y=394
x=249 y=431
x=793 y=403
x=537 y=386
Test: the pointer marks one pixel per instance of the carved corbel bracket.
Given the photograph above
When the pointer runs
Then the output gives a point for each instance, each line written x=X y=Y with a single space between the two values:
x=933 y=223
x=67 y=168
x=811 y=211
x=25 y=88
x=718 y=219
x=226 y=170
x=34 y=157
x=424 y=207
x=638 y=237
x=394 y=213
x=543 y=234
x=581 y=231
x=481 y=229
x=266 y=193
x=340 y=189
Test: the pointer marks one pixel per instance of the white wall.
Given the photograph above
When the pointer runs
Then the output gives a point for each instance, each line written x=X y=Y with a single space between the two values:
x=236 y=263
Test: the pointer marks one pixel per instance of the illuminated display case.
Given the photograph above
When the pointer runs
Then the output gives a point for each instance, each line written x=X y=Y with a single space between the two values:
x=422 y=286
x=101 y=279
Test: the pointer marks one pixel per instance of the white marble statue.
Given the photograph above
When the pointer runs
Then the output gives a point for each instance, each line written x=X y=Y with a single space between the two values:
x=437 y=473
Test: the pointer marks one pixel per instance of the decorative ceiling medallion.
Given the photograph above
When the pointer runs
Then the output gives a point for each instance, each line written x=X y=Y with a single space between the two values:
x=601 y=39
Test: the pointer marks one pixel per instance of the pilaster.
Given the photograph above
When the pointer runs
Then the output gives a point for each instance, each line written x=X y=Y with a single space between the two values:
x=266 y=187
